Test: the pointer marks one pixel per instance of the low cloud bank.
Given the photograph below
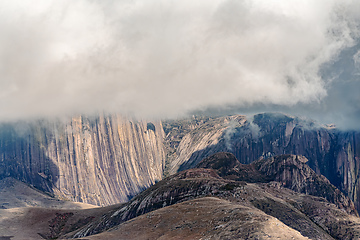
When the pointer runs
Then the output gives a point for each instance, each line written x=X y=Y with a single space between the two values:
x=164 y=59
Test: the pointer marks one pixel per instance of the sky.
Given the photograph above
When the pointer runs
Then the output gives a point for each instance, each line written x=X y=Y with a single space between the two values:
x=170 y=58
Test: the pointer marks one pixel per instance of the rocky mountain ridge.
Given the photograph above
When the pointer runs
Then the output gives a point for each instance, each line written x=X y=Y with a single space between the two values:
x=109 y=159
x=290 y=171
x=205 y=218
x=235 y=209
x=331 y=152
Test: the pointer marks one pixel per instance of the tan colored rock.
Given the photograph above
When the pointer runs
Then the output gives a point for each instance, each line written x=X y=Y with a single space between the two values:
x=101 y=160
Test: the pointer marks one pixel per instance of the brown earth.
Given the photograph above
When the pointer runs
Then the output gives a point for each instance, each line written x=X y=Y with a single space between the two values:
x=205 y=204
x=202 y=218
x=313 y=216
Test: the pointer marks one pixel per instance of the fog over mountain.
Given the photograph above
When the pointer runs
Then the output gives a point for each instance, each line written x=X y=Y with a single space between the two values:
x=163 y=59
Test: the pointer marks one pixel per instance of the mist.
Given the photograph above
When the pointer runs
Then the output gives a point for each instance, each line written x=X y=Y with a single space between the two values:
x=165 y=59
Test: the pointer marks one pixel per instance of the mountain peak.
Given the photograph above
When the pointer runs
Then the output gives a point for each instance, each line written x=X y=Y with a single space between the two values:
x=291 y=171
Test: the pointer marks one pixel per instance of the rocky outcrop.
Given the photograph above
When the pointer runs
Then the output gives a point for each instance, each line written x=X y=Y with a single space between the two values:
x=273 y=198
x=190 y=140
x=227 y=166
x=108 y=159
x=100 y=160
x=331 y=152
x=204 y=203
x=293 y=173
x=290 y=171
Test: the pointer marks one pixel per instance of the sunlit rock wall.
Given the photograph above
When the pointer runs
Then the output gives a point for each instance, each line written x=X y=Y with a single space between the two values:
x=100 y=160
x=331 y=152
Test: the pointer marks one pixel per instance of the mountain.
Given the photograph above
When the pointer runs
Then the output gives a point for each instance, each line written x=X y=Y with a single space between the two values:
x=208 y=203
x=100 y=160
x=205 y=218
x=239 y=204
x=331 y=152
x=291 y=171
x=108 y=159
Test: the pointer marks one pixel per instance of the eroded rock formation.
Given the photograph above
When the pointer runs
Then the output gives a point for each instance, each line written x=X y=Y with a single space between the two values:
x=331 y=152
x=101 y=160
x=108 y=159
x=275 y=199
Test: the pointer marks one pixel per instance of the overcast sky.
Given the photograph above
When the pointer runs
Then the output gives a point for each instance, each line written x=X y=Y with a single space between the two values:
x=167 y=58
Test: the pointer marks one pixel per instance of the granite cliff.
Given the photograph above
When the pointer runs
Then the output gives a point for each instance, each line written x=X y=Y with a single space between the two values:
x=331 y=152
x=109 y=159
x=101 y=160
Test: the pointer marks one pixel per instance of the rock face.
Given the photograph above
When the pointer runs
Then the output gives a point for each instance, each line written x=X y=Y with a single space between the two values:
x=290 y=171
x=108 y=159
x=208 y=203
x=190 y=140
x=101 y=160
x=332 y=153
x=311 y=216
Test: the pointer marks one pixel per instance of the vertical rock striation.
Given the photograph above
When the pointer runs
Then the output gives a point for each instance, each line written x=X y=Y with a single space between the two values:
x=108 y=159
x=188 y=141
x=347 y=164
x=101 y=160
x=331 y=152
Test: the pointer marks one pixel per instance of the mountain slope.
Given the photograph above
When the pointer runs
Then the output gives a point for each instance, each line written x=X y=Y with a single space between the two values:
x=202 y=218
x=331 y=152
x=25 y=211
x=295 y=210
x=108 y=159
x=290 y=171
x=205 y=203
x=16 y=194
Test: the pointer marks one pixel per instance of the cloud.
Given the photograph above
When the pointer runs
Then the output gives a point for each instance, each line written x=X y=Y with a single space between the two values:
x=166 y=58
